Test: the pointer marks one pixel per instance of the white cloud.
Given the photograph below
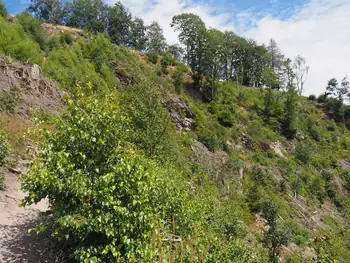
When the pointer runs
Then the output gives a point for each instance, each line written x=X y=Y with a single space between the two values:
x=163 y=11
x=320 y=32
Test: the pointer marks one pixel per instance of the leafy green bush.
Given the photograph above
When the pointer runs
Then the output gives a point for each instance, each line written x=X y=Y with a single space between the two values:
x=14 y=42
x=300 y=234
x=178 y=81
x=8 y=102
x=225 y=118
x=107 y=199
x=32 y=27
x=278 y=234
x=302 y=153
x=167 y=60
x=346 y=179
x=68 y=67
x=152 y=57
x=261 y=175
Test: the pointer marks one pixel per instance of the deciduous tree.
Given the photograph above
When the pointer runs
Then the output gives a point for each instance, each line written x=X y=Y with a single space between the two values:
x=49 y=11
x=119 y=23
x=155 y=38
x=301 y=71
x=3 y=11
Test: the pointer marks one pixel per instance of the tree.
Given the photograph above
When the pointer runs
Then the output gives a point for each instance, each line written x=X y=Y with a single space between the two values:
x=269 y=78
x=289 y=122
x=275 y=55
x=178 y=81
x=288 y=75
x=49 y=11
x=277 y=234
x=155 y=38
x=88 y=14
x=193 y=36
x=213 y=60
x=3 y=11
x=301 y=71
x=119 y=23
x=176 y=51
x=340 y=93
x=137 y=35
x=254 y=63
x=107 y=199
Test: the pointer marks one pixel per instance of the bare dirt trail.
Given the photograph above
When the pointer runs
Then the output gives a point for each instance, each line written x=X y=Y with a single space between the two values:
x=16 y=244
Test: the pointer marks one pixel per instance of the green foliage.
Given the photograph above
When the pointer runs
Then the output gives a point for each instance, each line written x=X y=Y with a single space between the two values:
x=18 y=45
x=300 y=235
x=119 y=19
x=107 y=199
x=152 y=57
x=261 y=175
x=137 y=35
x=312 y=97
x=51 y=11
x=3 y=11
x=155 y=38
x=8 y=102
x=346 y=178
x=167 y=60
x=4 y=148
x=209 y=139
x=290 y=111
x=151 y=123
x=68 y=66
x=225 y=117
x=302 y=153
x=32 y=27
x=278 y=233
x=178 y=81
x=120 y=180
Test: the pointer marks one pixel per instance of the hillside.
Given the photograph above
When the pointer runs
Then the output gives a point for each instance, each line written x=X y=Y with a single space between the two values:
x=142 y=158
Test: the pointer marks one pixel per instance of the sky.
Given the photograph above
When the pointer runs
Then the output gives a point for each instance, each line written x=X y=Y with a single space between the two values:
x=316 y=29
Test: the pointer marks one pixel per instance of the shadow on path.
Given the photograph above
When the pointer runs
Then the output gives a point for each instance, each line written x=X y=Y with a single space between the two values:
x=17 y=245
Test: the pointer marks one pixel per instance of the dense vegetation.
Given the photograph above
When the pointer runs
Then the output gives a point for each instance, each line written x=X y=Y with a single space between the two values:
x=125 y=186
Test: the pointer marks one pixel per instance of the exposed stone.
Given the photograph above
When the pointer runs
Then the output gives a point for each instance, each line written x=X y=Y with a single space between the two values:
x=247 y=142
x=277 y=147
x=34 y=91
x=35 y=72
x=180 y=113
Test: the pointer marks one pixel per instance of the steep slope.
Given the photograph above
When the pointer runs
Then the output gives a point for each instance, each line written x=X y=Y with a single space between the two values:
x=140 y=169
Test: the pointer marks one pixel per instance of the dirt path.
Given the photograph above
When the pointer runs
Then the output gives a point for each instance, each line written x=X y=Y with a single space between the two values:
x=16 y=245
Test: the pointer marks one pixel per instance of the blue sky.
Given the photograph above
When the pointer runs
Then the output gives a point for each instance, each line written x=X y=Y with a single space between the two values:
x=278 y=8
x=316 y=29
x=16 y=6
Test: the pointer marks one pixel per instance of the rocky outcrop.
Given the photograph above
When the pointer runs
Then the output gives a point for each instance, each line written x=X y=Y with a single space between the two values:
x=278 y=149
x=33 y=90
x=180 y=113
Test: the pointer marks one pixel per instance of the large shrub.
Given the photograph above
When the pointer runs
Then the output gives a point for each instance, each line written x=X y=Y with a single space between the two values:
x=32 y=27
x=302 y=153
x=225 y=118
x=152 y=57
x=14 y=42
x=107 y=199
x=8 y=102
